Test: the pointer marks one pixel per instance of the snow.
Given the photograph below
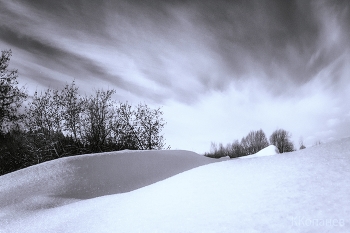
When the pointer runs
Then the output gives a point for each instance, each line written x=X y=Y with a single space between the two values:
x=269 y=150
x=302 y=191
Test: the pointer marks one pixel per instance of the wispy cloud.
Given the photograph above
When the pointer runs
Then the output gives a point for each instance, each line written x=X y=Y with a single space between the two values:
x=211 y=43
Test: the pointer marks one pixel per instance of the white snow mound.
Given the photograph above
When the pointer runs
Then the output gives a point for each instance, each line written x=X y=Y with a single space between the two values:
x=66 y=180
x=269 y=150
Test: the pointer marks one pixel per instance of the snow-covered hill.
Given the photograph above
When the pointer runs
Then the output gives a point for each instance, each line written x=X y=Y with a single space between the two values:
x=303 y=191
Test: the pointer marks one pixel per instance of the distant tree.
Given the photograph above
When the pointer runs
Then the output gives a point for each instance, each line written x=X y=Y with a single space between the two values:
x=254 y=142
x=227 y=150
x=222 y=151
x=260 y=140
x=216 y=151
x=213 y=148
x=317 y=143
x=247 y=149
x=301 y=144
x=237 y=150
x=11 y=96
x=281 y=139
x=233 y=150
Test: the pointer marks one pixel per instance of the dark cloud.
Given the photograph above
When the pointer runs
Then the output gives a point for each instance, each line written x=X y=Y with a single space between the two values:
x=74 y=15
x=262 y=32
x=57 y=59
x=281 y=39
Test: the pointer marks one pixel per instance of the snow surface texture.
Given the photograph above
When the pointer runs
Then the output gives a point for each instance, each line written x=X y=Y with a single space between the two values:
x=303 y=191
x=269 y=150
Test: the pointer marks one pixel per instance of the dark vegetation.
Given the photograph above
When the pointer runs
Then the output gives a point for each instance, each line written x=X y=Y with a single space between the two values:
x=59 y=123
x=252 y=143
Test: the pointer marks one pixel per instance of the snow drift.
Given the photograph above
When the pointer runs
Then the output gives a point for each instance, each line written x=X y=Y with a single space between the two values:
x=303 y=191
x=71 y=179
x=269 y=150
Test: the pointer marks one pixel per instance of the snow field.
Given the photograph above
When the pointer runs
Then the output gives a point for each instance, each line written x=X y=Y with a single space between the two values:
x=303 y=191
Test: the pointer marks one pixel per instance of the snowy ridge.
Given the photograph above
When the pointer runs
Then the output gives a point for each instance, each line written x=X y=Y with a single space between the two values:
x=300 y=191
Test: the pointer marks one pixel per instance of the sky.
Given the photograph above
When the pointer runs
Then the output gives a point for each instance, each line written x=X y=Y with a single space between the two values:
x=218 y=69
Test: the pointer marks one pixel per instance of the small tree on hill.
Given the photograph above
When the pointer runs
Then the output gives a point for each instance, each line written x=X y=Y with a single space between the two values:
x=301 y=144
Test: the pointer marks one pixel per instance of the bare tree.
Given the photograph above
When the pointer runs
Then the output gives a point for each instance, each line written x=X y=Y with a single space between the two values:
x=44 y=121
x=260 y=141
x=281 y=139
x=213 y=148
x=98 y=119
x=11 y=96
x=44 y=113
x=149 y=124
x=140 y=128
x=72 y=104
x=237 y=150
x=125 y=128
x=246 y=146
x=254 y=142
x=216 y=151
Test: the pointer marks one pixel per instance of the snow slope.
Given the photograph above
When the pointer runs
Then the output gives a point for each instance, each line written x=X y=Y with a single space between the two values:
x=72 y=179
x=269 y=150
x=303 y=191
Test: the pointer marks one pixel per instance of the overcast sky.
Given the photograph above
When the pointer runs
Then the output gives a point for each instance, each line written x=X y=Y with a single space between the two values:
x=219 y=68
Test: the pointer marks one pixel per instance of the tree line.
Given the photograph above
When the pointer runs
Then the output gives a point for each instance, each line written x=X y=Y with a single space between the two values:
x=252 y=143
x=58 y=123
